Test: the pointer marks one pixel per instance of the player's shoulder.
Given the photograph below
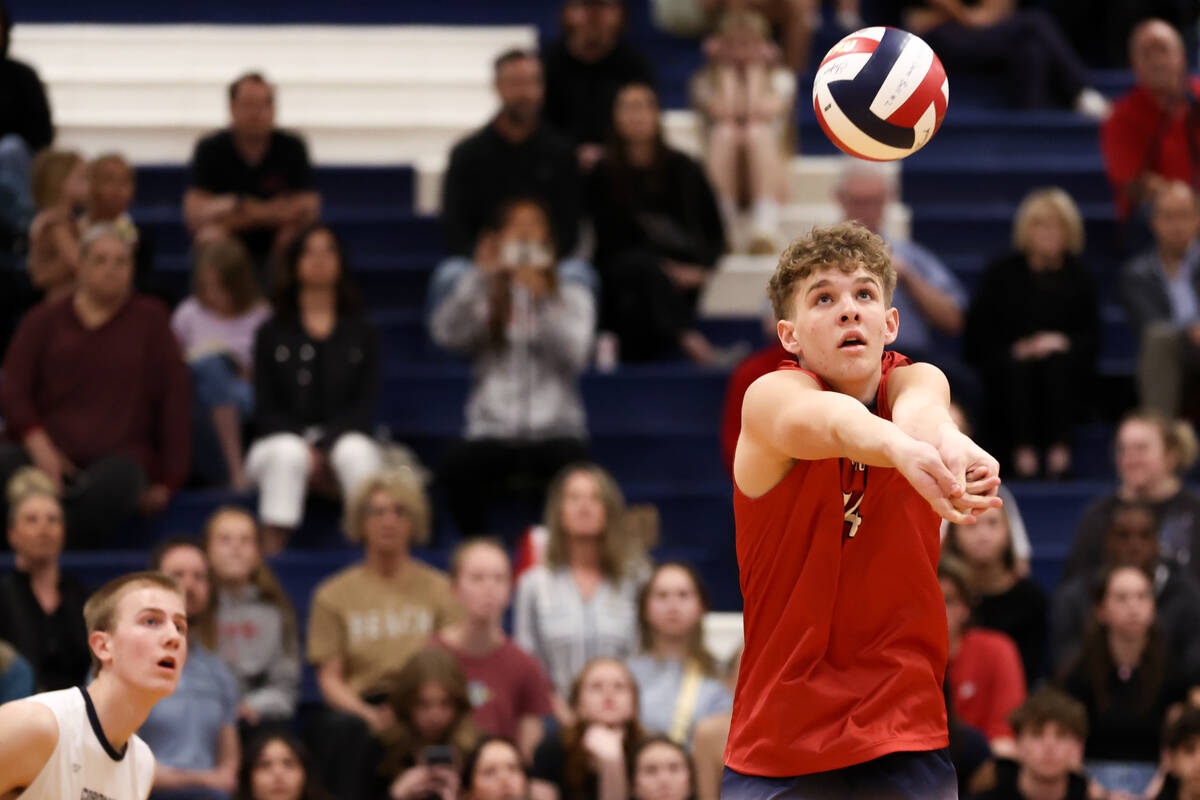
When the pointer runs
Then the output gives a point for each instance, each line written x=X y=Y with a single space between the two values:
x=914 y=374
x=28 y=733
x=781 y=381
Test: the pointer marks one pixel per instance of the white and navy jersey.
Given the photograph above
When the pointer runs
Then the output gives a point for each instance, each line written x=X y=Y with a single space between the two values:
x=84 y=766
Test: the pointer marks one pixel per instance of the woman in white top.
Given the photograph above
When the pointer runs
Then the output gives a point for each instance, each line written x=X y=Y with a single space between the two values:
x=582 y=603
x=80 y=743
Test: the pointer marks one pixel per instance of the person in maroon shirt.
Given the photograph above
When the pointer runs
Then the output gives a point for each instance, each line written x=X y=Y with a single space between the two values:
x=95 y=393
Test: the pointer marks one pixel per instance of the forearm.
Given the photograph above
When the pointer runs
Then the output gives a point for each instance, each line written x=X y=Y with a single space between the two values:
x=339 y=696
x=864 y=437
x=611 y=781
x=922 y=410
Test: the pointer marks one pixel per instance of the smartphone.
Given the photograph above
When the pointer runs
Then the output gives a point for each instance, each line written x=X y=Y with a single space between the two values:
x=437 y=755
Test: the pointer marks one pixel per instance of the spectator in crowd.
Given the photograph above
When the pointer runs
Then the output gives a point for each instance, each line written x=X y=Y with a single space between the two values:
x=1160 y=290
x=748 y=370
x=366 y=620
x=95 y=394
x=43 y=606
x=1005 y=601
x=16 y=676
x=1050 y=730
x=658 y=235
x=675 y=673
x=528 y=320
x=590 y=758
x=662 y=770
x=581 y=604
x=508 y=688
x=1023 y=46
x=25 y=126
x=216 y=327
x=984 y=672
x=276 y=766
x=1132 y=540
x=584 y=70
x=1181 y=756
x=746 y=97
x=1124 y=677
x=424 y=748
x=1152 y=453
x=111 y=185
x=1036 y=363
x=192 y=732
x=516 y=154
x=1152 y=135
x=493 y=771
x=256 y=624
x=316 y=387
x=251 y=179
x=60 y=188
x=712 y=733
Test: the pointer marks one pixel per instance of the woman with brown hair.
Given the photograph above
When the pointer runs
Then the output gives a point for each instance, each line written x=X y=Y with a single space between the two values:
x=590 y=759
x=581 y=604
x=675 y=673
x=256 y=624
x=424 y=749
x=215 y=328
x=60 y=188
x=1151 y=454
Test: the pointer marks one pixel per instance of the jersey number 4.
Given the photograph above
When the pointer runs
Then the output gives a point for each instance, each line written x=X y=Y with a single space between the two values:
x=854 y=487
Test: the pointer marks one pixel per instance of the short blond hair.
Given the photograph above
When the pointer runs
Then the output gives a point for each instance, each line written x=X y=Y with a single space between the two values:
x=48 y=174
x=1058 y=202
x=405 y=487
x=100 y=610
x=25 y=483
x=845 y=247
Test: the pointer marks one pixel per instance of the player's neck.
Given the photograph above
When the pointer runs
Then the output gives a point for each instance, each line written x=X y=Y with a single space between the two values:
x=120 y=709
x=1033 y=788
x=474 y=636
x=864 y=391
x=670 y=648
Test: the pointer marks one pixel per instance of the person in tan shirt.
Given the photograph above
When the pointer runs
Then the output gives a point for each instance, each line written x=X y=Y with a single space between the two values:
x=366 y=621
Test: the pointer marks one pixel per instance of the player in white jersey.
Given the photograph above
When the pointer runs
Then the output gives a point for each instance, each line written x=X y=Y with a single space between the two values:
x=79 y=744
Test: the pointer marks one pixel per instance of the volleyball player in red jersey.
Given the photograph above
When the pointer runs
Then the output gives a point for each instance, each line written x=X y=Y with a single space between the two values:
x=845 y=462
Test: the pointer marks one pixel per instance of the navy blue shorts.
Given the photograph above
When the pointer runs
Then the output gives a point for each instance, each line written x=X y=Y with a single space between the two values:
x=927 y=775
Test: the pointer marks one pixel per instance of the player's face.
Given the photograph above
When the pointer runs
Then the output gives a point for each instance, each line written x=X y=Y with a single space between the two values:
x=148 y=644
x=484 y=582
x=433 y=713
x=583 y=512
x=36 y=533
x=1142 y=458
x=606 y=695
x=1128 y=603
x=1049 y=752
x=985 y=542
x=277 y=773
x=839 y=326
x=233 y=548
x=499 y=774
x=1133 y=539
x=957 y=611
x=661 y=774
x=673 y=605
x=387 y=524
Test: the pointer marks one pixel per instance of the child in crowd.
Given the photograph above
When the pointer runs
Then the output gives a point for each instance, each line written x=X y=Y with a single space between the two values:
x=662 y=770
x=589 y=760
x=1005 y=600
x=111 y=186
x=675 y=672
x=1181 y=756
x=60 y=188
x=1050 y=729
x=277 y=767
x=216 y=328
x=256 y=624
x=508 y=687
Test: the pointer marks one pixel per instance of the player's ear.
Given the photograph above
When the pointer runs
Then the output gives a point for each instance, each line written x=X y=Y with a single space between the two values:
x=100 y=643
x=891 y=321
x=787 y=336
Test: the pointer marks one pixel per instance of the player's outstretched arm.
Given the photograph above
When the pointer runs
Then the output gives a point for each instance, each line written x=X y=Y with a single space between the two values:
x=28 y=736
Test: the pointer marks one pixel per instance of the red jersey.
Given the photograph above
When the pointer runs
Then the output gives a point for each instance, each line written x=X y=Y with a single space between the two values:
x=846 y=641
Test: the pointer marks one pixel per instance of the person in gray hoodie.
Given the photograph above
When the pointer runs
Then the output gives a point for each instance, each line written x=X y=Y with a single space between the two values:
x=527 y=319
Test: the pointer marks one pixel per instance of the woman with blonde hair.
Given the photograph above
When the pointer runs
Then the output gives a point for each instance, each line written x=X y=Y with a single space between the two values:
x=1152 y=453
x=60 y=188
x=370 y=617
x=256 y=624
x=581 y=604
x=1033 y=330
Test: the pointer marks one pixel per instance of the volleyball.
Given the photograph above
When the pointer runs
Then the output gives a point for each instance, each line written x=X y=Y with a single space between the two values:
x=880 y=94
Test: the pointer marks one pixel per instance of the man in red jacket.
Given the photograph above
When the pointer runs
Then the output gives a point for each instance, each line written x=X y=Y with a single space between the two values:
x=95 y=393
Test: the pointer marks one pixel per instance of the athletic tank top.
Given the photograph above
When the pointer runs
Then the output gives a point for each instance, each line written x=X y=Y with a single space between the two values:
x=846 y=640
x=83 y=765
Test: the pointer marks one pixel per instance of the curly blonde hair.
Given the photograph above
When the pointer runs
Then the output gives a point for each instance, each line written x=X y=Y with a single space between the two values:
x=845 y=247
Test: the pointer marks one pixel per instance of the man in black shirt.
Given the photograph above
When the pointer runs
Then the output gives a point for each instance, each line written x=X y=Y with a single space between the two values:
x=23 y=107
x=1050 y=729
x=251 y=178
x=514 y=154
x=584 y=71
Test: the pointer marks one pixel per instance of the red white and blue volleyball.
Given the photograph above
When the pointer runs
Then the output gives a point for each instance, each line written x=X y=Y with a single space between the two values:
x=880 y=94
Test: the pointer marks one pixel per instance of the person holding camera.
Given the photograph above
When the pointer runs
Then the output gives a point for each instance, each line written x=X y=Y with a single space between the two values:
x=528 y=320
